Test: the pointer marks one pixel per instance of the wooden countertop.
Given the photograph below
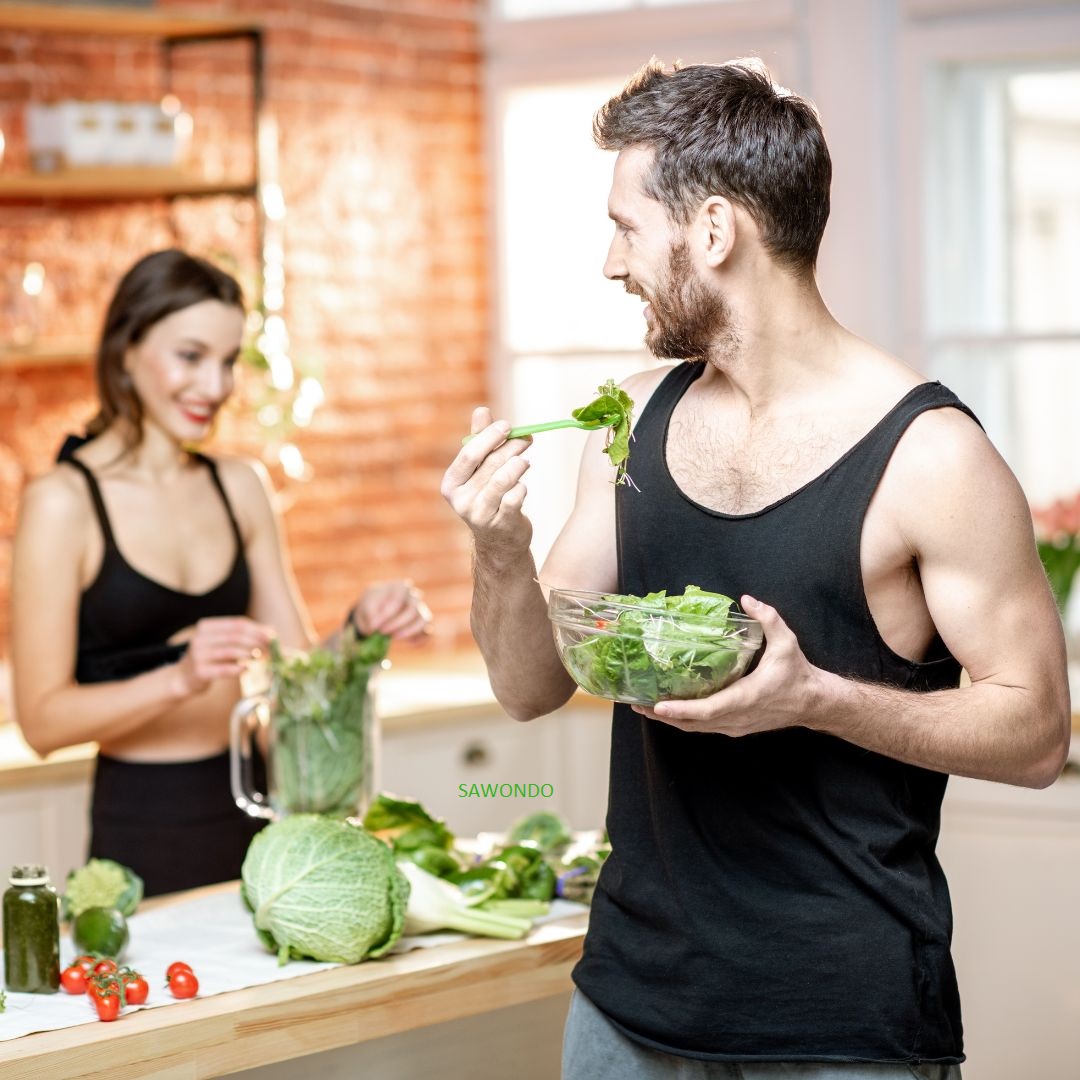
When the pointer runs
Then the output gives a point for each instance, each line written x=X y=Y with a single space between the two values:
x=284 y=1020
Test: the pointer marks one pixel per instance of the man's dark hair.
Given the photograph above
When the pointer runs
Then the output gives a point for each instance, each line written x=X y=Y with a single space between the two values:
x=728 y=130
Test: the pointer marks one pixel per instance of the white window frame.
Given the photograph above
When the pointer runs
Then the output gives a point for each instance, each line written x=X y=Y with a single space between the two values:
x=578 y=48
x=938 y=35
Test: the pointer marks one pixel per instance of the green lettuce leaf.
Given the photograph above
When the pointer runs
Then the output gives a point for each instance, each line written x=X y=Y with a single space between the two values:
x=322 y=754
x=615 y=409
x=659 y=647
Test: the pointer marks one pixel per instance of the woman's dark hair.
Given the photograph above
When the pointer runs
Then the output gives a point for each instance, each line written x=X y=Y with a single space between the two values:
x=728 y=130
x=155 y=287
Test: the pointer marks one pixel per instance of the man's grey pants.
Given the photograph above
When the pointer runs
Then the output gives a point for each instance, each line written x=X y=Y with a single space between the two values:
x=593 y=1049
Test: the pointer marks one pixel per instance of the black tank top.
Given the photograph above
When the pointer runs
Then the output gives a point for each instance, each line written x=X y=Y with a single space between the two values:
x=125 y=617
x=775 y=896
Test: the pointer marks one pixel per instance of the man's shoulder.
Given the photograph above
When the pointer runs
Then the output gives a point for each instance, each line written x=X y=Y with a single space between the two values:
x=642 y=384
x=647 y=380
x=879 y=382
x=942 y=462
x=944 y=437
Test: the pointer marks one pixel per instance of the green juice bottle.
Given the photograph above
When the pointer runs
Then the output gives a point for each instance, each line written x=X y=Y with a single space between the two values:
x=31 y=932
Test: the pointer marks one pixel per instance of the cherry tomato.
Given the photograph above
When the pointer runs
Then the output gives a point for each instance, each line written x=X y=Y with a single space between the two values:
x=86 y=962
x=183 y=984
x=73 y=979
x=105 y=967
x=136 y=990
x=135 y=985
x=176 y=966
x=108 y=1005
x=99 y=984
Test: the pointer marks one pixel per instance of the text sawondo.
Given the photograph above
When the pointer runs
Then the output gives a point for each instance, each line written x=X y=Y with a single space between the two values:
x=505 y=791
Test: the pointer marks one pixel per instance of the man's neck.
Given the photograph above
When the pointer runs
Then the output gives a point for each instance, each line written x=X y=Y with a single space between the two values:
x=786 y=342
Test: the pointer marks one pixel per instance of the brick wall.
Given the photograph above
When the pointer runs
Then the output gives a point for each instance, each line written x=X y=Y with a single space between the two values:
x=378 y=108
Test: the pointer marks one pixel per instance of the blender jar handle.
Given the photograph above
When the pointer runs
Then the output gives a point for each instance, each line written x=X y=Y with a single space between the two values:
x=248 y=715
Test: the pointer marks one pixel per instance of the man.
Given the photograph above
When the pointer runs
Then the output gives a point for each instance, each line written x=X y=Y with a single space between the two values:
x=773 y=905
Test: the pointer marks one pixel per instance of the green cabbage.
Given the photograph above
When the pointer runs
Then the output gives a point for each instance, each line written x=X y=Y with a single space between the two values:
x=322 y=888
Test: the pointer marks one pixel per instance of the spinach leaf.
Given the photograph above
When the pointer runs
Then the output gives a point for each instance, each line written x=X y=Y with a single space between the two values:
x=658 y=646
x=614 y=410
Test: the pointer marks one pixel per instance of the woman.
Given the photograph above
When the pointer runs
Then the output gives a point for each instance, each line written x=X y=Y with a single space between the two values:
x=145 y=577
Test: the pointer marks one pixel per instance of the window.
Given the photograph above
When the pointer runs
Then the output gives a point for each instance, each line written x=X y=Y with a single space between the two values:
x=565 y=328
x=1004 y=262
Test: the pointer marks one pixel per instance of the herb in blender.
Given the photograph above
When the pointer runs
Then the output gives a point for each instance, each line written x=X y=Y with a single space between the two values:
x=322 y=740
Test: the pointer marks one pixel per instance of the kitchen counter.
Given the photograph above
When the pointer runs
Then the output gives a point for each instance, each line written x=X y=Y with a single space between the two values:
x=415 y=692
x=441 y=729
x=316 y=1013
x=419 y=691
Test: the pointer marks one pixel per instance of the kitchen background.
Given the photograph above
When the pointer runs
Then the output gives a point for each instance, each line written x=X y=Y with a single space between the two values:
x=384 y=252
x=428 y=235
x=431 y=229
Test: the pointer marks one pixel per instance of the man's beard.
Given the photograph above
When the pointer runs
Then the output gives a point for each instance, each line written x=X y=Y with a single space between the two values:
x=690 y=320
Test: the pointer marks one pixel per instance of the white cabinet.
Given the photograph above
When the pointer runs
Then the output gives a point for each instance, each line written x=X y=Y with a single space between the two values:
x=475 y=771
x=46 y=823
x=489 y=753
x=585 y=753
x=1012 y=857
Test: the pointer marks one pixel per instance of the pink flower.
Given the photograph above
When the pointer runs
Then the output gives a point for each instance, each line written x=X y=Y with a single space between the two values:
x=1058 y=523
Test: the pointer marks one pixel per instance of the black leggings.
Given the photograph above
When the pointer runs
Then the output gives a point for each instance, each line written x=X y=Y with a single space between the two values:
x=175 y=824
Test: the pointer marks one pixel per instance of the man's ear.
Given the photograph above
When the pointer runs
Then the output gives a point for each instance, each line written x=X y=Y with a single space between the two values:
x=717 y=224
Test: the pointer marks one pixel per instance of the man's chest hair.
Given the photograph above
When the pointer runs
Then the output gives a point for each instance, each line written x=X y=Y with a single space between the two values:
x=740 y=472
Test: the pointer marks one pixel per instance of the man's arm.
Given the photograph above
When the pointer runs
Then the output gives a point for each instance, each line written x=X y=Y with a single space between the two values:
x=509 y=609
x=989 y=600
x=987 y=594
x=509 y=619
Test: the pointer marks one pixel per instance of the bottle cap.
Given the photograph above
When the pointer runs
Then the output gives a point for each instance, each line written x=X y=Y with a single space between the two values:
x=30 y=874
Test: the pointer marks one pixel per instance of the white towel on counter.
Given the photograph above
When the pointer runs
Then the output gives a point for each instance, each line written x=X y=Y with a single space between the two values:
x=212 y=933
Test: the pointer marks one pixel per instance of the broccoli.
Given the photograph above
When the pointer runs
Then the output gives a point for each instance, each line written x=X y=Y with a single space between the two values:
x=102 y=883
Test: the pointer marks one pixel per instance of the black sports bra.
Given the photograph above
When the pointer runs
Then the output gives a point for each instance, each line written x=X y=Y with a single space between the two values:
x=127 y=618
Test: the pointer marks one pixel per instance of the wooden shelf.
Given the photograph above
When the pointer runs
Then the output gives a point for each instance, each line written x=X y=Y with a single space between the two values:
x=48 y=354
x=113 y=183
x=122 y=22
x=172 y=30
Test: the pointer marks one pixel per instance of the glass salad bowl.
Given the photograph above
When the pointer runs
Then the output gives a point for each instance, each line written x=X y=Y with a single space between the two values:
x=641 y=650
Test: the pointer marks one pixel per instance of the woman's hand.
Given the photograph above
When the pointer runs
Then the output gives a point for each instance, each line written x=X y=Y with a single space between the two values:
x=219 y=648
x=394 y=608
